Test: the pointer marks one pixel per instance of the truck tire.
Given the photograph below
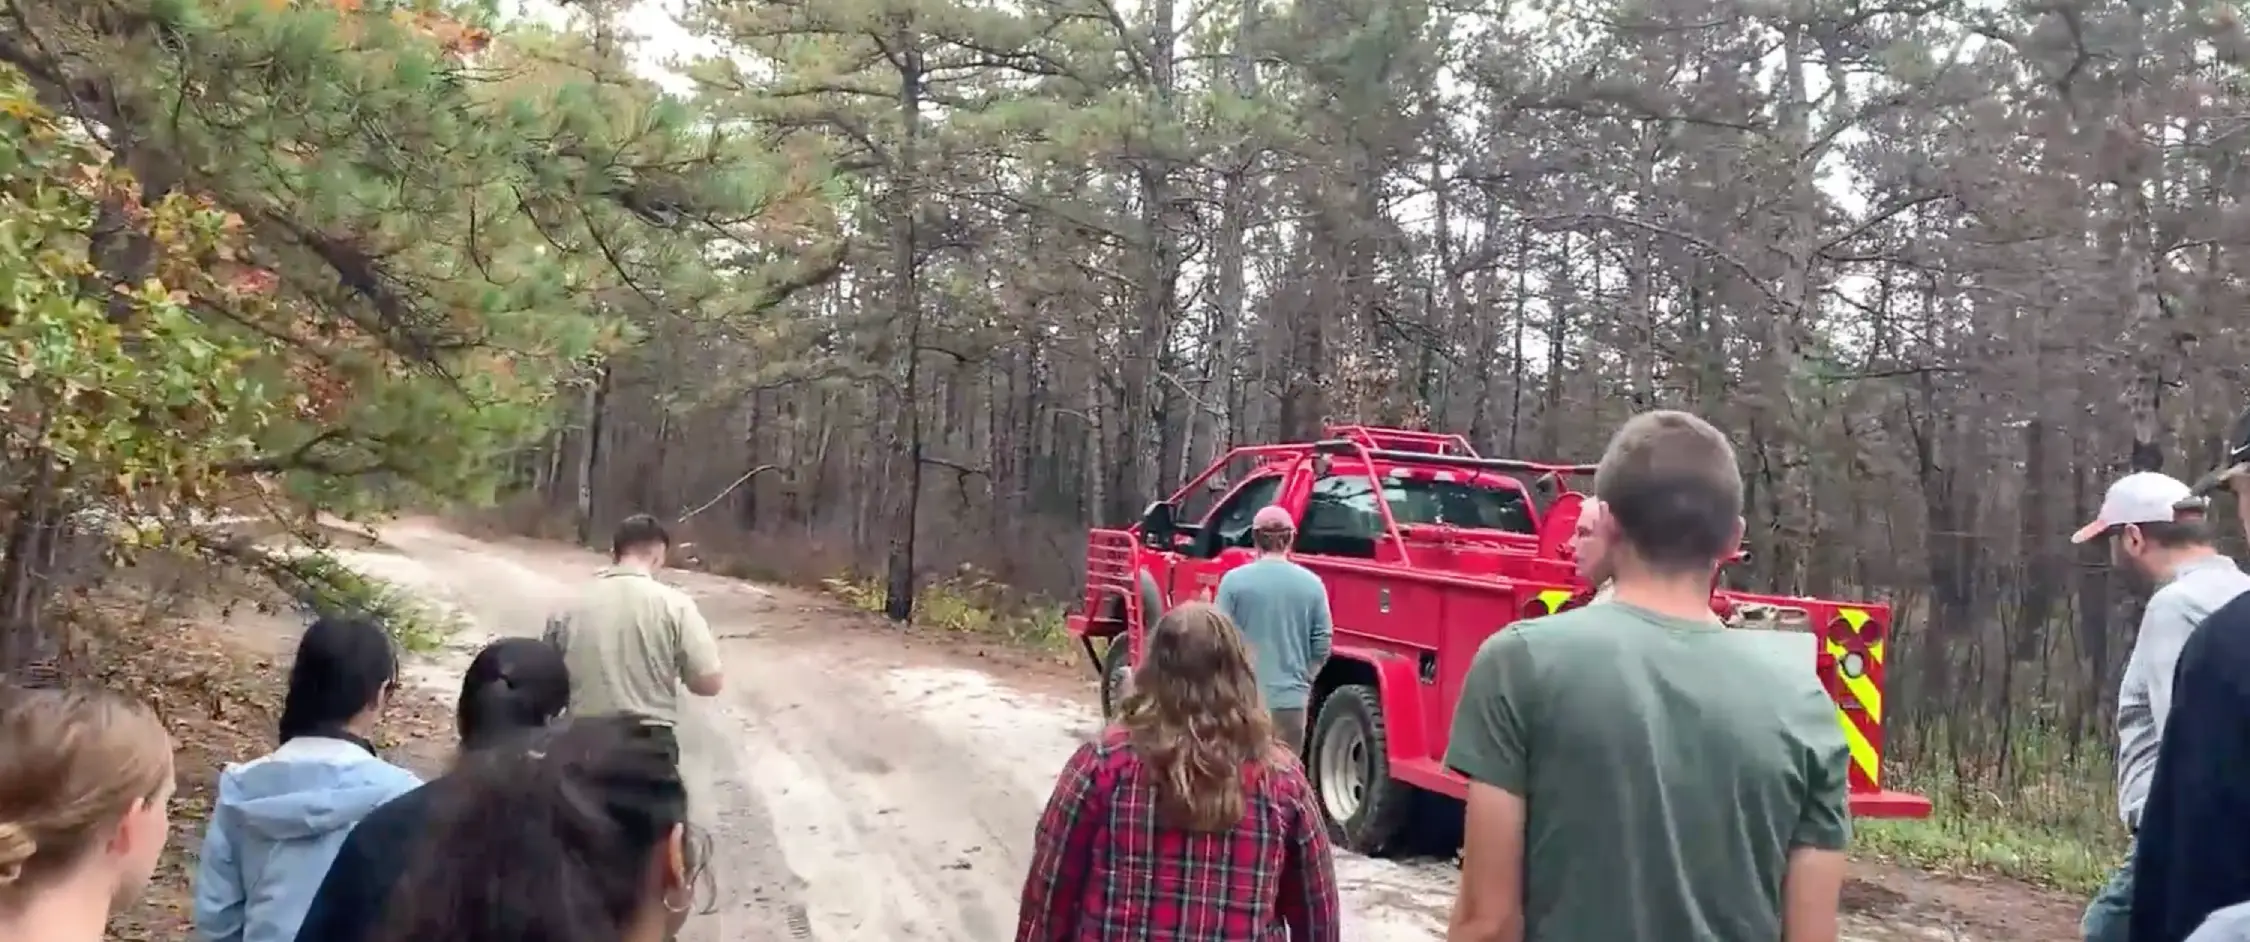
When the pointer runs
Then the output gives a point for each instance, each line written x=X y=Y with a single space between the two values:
x=1348 y=760
x=1117 y=667
x=1117 y=675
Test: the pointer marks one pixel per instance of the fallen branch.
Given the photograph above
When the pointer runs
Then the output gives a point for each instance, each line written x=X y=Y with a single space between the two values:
x=738 y=482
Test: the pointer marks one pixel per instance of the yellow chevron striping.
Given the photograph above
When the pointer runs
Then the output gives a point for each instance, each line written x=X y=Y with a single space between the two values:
x=1863 y=687
x=1870 y=697
x=1863 y=752
x=1554 y=598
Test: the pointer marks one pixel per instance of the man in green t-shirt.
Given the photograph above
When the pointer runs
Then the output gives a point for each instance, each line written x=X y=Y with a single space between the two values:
x=1638 y=772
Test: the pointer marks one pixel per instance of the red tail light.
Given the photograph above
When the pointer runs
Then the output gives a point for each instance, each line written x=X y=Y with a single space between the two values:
x=1856 y=636
x=1862 y=631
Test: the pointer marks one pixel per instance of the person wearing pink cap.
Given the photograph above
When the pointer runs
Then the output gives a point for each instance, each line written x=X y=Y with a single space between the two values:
x=2160 y=537
x=1281 y=608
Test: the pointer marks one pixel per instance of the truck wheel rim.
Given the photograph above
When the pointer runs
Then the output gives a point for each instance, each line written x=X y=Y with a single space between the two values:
x=1343 y=770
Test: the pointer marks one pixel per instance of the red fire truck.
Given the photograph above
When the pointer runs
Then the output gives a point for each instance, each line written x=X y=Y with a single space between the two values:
x=1427 y=548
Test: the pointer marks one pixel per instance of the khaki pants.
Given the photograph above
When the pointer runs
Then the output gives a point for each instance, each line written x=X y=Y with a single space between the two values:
x=1290 y=726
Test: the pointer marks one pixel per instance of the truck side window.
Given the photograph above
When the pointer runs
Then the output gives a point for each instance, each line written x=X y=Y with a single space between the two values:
x=1341 y=518
x=1230 y=523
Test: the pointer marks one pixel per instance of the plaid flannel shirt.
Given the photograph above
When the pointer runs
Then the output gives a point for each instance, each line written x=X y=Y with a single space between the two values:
x=1106 y=871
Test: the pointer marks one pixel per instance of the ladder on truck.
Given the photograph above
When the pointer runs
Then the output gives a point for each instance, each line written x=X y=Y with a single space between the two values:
x=1113 y=565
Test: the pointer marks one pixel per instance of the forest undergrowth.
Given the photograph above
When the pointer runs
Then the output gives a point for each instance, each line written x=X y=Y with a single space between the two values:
x=2050 y=819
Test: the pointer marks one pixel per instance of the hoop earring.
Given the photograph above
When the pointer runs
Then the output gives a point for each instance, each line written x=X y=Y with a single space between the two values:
x=681 y=908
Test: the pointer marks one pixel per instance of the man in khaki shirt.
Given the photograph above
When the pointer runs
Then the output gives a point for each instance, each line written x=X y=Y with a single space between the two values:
x=632 y=642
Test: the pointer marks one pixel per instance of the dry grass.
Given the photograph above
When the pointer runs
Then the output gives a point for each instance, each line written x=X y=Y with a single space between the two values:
x=2052 y=822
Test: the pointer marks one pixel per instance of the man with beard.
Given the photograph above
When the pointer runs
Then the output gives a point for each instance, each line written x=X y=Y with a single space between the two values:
x=2160 y=537
x=2191 y=873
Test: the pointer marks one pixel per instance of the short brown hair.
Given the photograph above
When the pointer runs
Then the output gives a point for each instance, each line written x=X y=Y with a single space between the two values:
x=2185 y=529
x=1670 y=481
x=636 y=533
x=78 y=761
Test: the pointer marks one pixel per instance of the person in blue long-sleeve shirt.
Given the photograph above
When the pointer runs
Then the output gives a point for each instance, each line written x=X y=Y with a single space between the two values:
x=279 y=819
x=1281 y=609
x=514 y=687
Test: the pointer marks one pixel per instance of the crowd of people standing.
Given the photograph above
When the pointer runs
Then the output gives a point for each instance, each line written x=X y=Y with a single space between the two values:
x=1637 y=771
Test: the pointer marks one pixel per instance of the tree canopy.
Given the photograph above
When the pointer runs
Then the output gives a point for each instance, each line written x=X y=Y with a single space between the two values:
x=341 y=255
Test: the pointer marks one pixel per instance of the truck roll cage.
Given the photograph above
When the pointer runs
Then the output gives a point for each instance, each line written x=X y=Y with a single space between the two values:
x=1158 y=523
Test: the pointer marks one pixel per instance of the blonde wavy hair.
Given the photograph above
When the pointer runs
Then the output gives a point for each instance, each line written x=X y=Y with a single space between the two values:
x=1196 y=718
x=76 y=762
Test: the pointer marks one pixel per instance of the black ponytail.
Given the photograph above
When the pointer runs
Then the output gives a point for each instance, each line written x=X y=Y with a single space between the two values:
x=515 y=685
x=547 y=839
x=342 y=669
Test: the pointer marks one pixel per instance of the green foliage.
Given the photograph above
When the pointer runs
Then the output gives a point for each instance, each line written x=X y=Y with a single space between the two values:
x=378 y=238
x=122 y=393
x=325 y=586
x=1953 y=842
x=292 y=258
x=2054 y=823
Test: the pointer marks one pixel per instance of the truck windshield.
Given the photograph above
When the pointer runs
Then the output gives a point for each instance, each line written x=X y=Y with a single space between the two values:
x=1342 y=518
x=1462 y=505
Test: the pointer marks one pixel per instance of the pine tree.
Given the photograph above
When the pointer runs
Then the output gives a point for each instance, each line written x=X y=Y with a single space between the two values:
x=338 y=250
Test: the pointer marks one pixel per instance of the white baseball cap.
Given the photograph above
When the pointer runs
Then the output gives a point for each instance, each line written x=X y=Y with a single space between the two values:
x=2140 y=497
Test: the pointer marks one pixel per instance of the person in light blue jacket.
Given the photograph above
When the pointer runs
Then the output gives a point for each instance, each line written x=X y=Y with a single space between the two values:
x=280 y=818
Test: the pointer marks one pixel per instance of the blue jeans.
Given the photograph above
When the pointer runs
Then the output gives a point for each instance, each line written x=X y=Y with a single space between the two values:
x=2109 y=916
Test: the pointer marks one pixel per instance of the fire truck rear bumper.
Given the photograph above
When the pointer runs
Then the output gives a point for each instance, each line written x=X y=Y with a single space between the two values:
x=1887 y=804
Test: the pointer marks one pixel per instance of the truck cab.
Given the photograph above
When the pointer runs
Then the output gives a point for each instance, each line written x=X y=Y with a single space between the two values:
x=1426 y=548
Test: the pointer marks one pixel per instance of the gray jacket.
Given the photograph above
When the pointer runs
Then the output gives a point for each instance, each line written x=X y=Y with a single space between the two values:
x=2231 y=924
x=2144 y=699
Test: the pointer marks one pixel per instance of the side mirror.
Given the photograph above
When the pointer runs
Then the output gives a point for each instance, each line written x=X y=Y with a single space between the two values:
x=1158 y=525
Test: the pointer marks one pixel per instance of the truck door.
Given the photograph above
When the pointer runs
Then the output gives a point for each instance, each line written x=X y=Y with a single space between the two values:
x=1222 y=544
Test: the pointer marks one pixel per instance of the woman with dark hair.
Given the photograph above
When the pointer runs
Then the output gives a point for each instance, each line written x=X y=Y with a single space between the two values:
x=279 y=819
x=581 y=836
x=1188 y=817
x=515 y=687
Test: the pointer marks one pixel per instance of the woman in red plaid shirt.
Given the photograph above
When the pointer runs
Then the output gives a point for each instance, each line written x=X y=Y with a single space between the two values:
x=1188 y=820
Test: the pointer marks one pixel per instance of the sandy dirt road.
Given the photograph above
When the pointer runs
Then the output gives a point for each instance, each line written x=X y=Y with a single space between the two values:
x=860 y=784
